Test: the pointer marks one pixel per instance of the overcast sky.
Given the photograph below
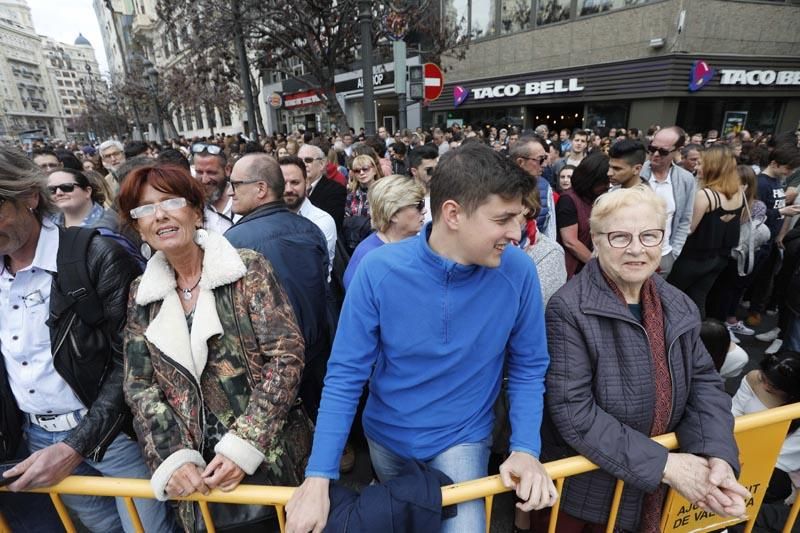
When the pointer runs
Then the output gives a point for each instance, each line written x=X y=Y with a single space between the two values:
x=65 y=19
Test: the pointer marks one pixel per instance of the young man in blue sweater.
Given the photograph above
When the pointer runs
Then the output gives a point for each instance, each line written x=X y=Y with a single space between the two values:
x=430 y=322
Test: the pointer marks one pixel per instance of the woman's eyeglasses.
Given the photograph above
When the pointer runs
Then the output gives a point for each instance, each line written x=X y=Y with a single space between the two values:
x=622 y=239
x=63 y=187
x=149 y=210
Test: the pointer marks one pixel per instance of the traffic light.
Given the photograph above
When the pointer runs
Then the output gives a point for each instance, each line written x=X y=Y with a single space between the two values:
x=416 y=89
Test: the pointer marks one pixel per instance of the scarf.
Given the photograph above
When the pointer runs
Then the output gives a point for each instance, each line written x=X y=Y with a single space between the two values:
x=653 y=323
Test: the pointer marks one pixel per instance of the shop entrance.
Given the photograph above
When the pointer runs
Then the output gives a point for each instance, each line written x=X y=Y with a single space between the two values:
x=556 y=117
x=387 y=113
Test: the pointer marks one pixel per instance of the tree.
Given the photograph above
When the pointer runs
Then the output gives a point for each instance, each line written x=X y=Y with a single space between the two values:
x=322 y=34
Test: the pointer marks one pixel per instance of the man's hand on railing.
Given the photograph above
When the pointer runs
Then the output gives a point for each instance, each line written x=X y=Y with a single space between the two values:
x=307 y=510
x=529 y=479
x=222 y=473
x=186 y=480
x=727 y=497
x=44 y=467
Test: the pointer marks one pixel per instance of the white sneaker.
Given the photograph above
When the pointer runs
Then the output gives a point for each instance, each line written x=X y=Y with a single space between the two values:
x=769 y=336
x=739 y=328
x=774 y=347
x=734 y=338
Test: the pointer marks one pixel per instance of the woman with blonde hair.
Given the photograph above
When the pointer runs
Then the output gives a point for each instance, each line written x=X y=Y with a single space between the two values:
x=364 y=171
x=715 y=226
x=398 y=209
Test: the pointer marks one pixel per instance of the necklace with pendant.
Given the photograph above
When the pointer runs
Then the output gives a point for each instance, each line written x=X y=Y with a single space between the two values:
x=187 y=293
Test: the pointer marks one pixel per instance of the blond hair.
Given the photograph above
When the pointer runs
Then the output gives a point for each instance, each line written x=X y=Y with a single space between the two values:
x=719 y=170
x=639 y=196
x=357 y=162
x=389 y=195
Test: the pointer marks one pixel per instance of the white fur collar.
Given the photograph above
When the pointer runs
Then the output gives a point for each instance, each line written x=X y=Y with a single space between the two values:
x=169 y=331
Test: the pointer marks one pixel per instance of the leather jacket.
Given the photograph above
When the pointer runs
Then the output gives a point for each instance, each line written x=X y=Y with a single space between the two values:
x=90 y=359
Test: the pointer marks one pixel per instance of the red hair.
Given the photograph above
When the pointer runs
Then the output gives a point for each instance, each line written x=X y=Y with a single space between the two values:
x=167 y=178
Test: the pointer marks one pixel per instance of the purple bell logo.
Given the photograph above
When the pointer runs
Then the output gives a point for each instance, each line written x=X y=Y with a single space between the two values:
x=459 y=95
x=700 y=76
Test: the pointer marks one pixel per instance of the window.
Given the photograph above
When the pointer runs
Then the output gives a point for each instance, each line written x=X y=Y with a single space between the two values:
x=591 y=7
x=550 y=11
x=189 y=125
x=482 y=15
x=456 y=15
x=211 y=118
x=225 y=113
x=515 y=15
x=179 y=120
x=198 y=117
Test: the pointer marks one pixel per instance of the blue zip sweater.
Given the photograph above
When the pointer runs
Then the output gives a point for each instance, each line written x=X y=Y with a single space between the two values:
x=431 y=336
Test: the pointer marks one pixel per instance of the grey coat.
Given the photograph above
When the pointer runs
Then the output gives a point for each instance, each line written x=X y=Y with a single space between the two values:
x=684 y=186
x=600 y=395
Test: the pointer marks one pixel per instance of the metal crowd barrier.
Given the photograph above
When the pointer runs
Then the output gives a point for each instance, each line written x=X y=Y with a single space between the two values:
x=759 y=436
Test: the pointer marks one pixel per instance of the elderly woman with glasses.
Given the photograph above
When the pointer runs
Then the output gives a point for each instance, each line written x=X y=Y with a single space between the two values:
x=627 y=364
x=398 y=211
x=213 y=355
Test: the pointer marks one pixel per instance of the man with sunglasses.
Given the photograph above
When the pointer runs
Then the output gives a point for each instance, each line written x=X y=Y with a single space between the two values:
x=530 y=153
x=422 y=162
x=676 y=186
x=322 y=191
x=211 y=169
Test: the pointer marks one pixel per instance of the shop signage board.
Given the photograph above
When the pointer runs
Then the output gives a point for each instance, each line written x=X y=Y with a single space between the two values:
x=301 y=99
x=734 y=122
x=433 y=81
x=275 y=100
x=761 y=447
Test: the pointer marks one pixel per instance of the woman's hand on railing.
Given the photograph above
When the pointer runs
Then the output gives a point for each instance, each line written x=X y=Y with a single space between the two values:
x=307 y=510
x=727 y=496
x=529 y=479
x=186 y=480
x=688 y=474
x=223 y=474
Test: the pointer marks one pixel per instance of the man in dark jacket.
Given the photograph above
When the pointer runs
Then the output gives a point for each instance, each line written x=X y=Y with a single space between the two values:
x=294 y=245
x=63 y=374
x=323 y=192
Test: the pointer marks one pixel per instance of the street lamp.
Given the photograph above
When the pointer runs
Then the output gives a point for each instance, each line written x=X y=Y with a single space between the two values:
x=151 y=74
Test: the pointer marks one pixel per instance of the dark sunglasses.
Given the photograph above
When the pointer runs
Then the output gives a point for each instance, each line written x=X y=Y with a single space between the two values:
x=541 y=159
x=420 y=206
x=199 y=148
x=309 y=160
x=64 y=187
x=663 y=152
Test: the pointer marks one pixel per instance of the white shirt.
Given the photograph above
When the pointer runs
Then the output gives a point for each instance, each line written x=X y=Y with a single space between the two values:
x=428 y=216
x=745 y=402
x=313 y=184
x=324 y=222
x=24 y=336
x=664 y=190
x=443 y=148
x=216 y=222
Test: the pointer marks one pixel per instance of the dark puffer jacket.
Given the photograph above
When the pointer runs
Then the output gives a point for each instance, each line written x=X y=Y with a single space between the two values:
x=600 y=395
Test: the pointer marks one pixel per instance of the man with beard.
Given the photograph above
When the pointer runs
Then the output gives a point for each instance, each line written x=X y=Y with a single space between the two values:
x=294 y=195
x=211 y=169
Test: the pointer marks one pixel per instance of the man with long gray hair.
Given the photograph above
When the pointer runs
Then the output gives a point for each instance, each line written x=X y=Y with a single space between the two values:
x=60 y=368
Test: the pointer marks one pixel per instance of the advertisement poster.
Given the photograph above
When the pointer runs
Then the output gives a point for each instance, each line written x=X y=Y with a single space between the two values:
x=734 y=122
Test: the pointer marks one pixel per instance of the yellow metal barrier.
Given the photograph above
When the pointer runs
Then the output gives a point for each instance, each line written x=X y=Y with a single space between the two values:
x=484 y=488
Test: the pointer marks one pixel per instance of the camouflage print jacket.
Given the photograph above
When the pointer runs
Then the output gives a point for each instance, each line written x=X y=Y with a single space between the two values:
x=242 y=360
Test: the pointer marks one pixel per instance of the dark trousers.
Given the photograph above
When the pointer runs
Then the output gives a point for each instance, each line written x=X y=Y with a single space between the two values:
x=695 y=277
x=763 y=275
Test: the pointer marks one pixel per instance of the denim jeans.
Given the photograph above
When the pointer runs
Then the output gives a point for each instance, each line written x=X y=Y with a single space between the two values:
x=462 y=462
x=123 y=458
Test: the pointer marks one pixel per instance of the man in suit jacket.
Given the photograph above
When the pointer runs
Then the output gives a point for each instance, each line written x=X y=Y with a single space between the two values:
x=323 y=193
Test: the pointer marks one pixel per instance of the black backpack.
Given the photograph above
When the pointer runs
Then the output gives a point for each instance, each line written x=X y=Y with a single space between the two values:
x=73 y=275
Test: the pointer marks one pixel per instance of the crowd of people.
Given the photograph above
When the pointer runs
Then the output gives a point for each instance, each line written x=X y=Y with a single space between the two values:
x=218 y=311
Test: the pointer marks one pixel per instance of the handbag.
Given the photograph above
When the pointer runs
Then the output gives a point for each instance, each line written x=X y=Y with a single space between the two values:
x=744 y=252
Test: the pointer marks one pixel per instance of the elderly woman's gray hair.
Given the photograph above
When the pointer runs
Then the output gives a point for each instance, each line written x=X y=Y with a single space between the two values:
x=639 y=196
x=21 y=178
x=389 y=195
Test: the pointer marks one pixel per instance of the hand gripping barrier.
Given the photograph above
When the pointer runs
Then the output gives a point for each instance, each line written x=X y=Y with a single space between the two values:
x=759 y=436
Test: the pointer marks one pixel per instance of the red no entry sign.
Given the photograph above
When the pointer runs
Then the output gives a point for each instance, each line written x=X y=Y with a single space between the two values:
x=434 y=81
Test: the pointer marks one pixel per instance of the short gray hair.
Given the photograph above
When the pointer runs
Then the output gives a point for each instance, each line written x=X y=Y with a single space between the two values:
x=314 y=148
x=265 y=167
x=109 y=144
x=389 y=195
x=20 y=177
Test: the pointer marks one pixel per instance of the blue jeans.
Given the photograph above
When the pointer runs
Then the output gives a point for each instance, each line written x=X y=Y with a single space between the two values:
x=462 y=462
x=123 y=458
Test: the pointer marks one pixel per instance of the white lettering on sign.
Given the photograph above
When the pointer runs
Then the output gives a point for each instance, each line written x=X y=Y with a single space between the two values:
x=377 y=79
x=531 y=88
x=759 y=77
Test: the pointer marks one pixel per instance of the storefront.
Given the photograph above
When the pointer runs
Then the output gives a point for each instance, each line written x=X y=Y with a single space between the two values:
x=697 y=92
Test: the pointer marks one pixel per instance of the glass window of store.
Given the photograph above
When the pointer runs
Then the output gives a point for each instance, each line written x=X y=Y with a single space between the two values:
x=592 y=7
x=476 y=17
x=550 y=11
x=515 y=15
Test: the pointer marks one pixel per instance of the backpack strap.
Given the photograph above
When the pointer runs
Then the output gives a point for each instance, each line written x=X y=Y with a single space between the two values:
x=73 y=275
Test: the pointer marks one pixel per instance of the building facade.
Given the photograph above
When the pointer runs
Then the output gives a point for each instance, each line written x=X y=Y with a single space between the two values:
x=29 y=107
x=621 y=63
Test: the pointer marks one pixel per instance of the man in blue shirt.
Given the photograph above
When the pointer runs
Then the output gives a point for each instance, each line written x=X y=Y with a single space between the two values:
x=430 y=323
